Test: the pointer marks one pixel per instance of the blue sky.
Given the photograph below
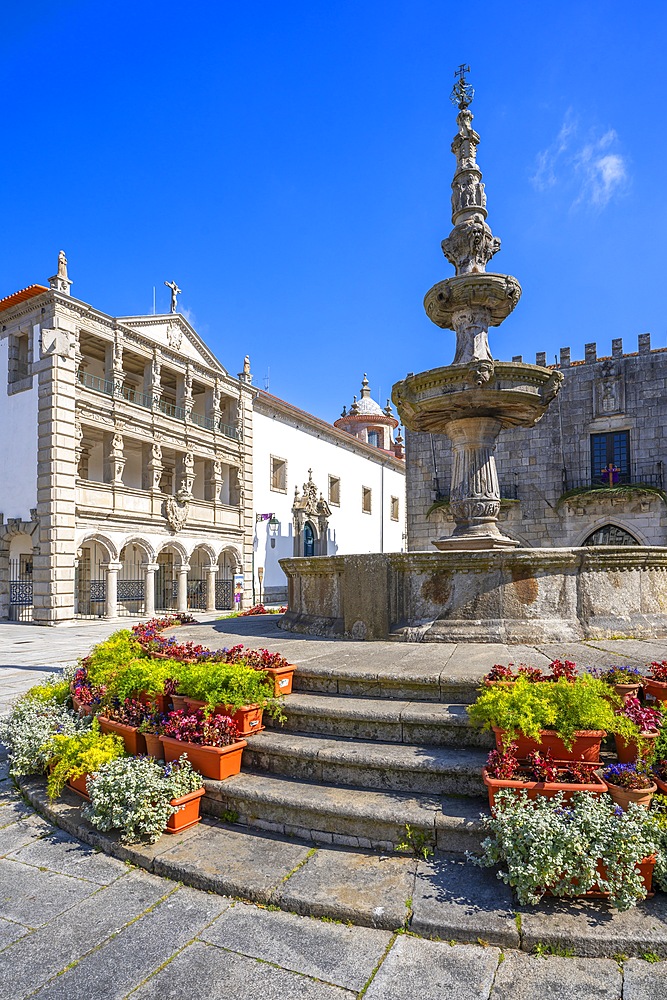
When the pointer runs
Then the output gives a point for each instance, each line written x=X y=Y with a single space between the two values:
x=289 y=166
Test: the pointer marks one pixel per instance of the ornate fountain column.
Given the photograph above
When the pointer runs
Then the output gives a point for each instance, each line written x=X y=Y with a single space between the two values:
x=475 y=397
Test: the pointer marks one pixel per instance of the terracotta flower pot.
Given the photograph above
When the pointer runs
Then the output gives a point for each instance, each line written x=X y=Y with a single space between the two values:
x=543 y=789
x=192 y=704
x=162 y=702
x=187 y=814
x=655 y=689
x=79 y=706
x=178 y=701
x=248 y=718
x=627 y=752
x=645 y=866
x=154 y=746
x=627 y=689
x=135 y=743
x=662 y=785
x=78 y=785
x=212 y=762
x=282 y=679
x=624 y=796
x=586 y=745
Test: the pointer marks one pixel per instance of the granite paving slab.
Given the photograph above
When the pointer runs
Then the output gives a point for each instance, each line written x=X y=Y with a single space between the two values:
x=644 y=980
x=433 y=970
x=526 y=977
x=32 y=960
x=334 y=953
x=112 y=970
x=233 y=862
x=59 y=852
x=367 y=889
x=203 y=970
x=11 y=931
x=453 y=899
x=33 y=897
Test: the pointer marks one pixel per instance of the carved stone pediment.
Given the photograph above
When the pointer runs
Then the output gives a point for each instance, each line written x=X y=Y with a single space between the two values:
x=311 y=502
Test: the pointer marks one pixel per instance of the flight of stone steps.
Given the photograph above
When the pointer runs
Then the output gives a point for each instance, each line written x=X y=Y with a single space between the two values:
x=363 y=754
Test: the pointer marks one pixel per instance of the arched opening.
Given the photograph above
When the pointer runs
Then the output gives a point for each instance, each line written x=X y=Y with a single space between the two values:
x=611 y=534
x=131 y=592
x=308 y=539
x=166 y=578
x=200 y=560
x=20 y=578
x=90 y=583
x=228 y=564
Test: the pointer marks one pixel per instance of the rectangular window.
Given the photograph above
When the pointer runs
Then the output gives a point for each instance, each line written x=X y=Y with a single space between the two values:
x=610 y=458
x=394 y=508
x=278 y=474
x=18 y=369
x=366 y=499
x=334 y=490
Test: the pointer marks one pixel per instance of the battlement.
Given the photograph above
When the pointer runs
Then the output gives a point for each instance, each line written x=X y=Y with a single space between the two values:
x=591 y=353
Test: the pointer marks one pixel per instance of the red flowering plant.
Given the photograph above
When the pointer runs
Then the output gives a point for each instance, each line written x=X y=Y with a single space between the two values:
x=82 y=689
x=503 y=765
x=258 y=659
x=129 y=712
x=562 y=668
x=198 y=727
x=645 y=718
x=538 y=766
x=659 y=670
x=558 y=669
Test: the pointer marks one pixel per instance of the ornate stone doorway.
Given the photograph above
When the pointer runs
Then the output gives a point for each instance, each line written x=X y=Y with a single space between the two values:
x=311 y=515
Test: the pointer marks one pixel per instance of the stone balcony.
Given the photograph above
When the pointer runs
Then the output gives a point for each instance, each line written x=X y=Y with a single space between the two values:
x=123 y=505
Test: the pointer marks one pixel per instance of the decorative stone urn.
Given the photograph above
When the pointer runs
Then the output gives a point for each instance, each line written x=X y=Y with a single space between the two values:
x=475 y=397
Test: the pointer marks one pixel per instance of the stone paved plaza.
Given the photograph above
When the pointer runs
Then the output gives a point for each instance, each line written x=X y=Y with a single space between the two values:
x=77 y=923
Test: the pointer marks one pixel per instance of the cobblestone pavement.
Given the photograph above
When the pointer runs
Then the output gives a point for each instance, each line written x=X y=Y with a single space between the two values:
x=78 y=924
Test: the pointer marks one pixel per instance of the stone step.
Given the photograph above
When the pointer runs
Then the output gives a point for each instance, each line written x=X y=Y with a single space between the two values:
x=352 y=817
x=387 y=720
x=387 y=766
x=387 y=680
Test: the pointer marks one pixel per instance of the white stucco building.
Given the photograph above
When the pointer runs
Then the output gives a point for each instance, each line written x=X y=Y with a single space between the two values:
x=129 y=466
x=322 y=490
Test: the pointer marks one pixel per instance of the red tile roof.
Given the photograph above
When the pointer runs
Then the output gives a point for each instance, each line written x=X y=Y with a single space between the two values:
x=21 y=296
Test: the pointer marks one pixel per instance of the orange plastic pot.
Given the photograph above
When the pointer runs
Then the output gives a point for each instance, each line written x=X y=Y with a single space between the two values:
x=645 y=867
x=655 y=689
x=542 y=789
x=162 y=702
x=187 y=813
x=79 y=706
x=217 y=763
x=662 y=785
x=248 y=718
x=179 y=702
x=624 y=796
x=78 y=785
x=626 y=689
x=154 y=746
x=586 y=745
x=282 y=679
x=627 y=752
x=135 y=743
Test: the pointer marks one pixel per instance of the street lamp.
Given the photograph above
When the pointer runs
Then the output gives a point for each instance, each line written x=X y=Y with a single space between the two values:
x=274 y=525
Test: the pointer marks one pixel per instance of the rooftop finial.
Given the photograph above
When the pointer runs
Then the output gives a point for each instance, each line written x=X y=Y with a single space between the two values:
x=365 y=391
x=60 y=281
x=462 y=93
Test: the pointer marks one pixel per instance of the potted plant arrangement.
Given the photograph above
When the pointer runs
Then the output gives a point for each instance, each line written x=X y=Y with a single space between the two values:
x=125 y=718
x=72 y=759
x=587 y=846
x=639 y=728
x=505 y=676
x=85 y=695
x=655 y=685
x=568 y=717
x=151 y=727
x=143 y=798
x=232 y=689
x=624 y=680
x=539 y=775
x=211 y=742
x=629 y=784
x=28 y=729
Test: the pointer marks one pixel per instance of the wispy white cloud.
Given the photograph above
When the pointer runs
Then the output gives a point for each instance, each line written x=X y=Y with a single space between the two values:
x=591 y=168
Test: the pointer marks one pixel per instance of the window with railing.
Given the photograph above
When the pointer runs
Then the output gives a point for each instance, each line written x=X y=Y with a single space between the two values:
x=610 y=458
x=164 y=406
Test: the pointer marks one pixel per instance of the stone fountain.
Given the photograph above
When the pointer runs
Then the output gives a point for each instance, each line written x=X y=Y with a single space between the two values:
x=480 y=586
x=475 y=397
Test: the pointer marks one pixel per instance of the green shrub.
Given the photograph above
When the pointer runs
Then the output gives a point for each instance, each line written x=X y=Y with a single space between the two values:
x=80 y=753
x=140 y=675
x=106 y=658
x=133 y=795
x=232 y=684
x=54 y=689
x=564 y=706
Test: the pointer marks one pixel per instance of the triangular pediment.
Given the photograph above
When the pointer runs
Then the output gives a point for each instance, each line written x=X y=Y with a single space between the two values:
x=173 y=331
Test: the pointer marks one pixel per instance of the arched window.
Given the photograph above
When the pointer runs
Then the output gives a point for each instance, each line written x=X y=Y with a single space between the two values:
x=374 y=438
x=611 y=534
x=308 y=539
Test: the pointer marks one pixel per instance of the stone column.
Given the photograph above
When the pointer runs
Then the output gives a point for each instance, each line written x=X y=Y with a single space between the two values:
x=150 y=569
x=475 y=494
x=211 y=574
x=112 y=568
x=182 y=593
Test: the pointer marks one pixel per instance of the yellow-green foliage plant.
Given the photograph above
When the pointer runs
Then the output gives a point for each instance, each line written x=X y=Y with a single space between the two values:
x=140 y=676
x=52 y=690
x=564 y=706
x=78 y=754
x=106 y=658
x=231 y=684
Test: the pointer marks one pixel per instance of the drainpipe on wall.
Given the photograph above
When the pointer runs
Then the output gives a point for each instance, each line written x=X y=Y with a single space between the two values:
x=382 y=507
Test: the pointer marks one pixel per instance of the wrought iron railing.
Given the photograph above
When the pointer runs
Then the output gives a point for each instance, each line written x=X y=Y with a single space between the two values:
x=113 y=389
x=601 y=482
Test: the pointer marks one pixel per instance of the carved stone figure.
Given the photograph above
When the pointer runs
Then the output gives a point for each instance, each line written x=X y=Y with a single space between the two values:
x=246 y=365
x=62 y=264
x=175 y=291
x=174 y=336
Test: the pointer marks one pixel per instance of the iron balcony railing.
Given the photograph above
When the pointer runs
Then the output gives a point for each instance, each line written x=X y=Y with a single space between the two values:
x=600 y=482
x=109 y=388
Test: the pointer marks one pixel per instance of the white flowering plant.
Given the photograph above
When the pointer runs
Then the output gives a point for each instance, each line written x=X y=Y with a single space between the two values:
x=570 y=848
x=133 y=795
x=28 y=730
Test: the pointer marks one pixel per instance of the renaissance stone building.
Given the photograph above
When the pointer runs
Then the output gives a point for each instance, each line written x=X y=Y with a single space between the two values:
x=591 y=472
x=126 y=456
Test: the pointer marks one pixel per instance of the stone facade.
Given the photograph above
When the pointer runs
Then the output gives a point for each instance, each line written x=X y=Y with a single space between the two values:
x=539 y=468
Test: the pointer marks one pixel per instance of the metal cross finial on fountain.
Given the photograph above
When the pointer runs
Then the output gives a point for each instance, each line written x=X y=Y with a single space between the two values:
x=462 y=93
